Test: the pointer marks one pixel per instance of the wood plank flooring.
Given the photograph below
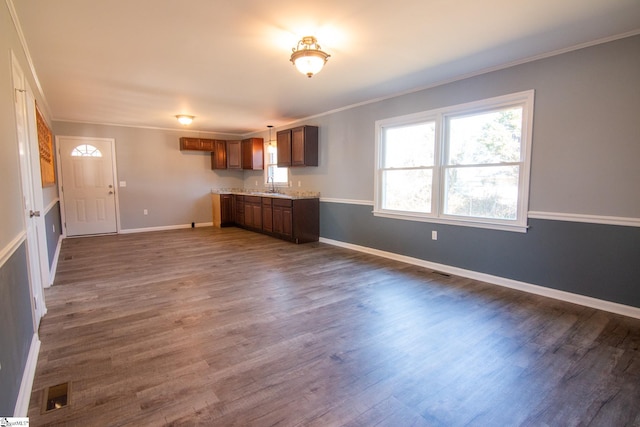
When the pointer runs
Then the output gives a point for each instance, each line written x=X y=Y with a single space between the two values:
x=224 y=327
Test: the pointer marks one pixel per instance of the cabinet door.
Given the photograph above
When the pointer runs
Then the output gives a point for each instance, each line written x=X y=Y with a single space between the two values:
x=287 y=222
x=219 y=155
x=257 y=216
x=248 y=215
x=207 y=144
x=297 y=147
x=252 y=154
x=277 y=219
x=189 y=143
x=226 y=210
x=234 y=155
x=282 y=217
x=239 y=213
x=267 y=214
x=284 y=148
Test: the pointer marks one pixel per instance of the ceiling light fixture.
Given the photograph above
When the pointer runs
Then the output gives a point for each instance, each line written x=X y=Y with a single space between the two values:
x=307 y=56
x=271 y=145
x=184 y=119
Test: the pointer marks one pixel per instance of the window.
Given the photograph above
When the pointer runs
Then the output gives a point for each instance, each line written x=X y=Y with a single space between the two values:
x=280 y=176
x=86 y=150
x=467 y=164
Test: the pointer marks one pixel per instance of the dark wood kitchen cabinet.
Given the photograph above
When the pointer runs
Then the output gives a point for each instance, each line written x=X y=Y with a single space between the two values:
x=253 y=153
x=234 y=154
x=238 y=209
x=219 y=154
x=283 y=218
x=253 y=212
x=298 y=146
x=196 y=144
x=222 y=206
x=295 y=220
x=267 y=214
x=283 y=141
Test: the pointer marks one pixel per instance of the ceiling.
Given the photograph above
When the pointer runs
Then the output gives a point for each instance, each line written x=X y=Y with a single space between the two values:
x=139 y=63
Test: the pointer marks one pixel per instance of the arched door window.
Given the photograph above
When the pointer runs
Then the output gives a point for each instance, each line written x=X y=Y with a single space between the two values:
x=86 y=150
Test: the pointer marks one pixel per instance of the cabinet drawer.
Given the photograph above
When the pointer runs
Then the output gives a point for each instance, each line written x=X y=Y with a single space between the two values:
x=252 y=199
x=282 y=203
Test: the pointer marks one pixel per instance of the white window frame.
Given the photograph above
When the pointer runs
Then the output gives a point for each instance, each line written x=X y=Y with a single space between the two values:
x=279 y=184
x=524 y=99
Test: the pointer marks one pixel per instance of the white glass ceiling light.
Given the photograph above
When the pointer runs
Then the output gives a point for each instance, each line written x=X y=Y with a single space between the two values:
x=307 y=56
x=184 y=119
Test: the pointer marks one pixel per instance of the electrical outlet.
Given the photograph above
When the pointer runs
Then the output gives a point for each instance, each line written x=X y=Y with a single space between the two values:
x=145 y=212
x=434 y=235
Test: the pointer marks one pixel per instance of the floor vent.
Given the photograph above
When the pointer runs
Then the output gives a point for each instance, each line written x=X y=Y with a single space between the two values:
x=56 y=397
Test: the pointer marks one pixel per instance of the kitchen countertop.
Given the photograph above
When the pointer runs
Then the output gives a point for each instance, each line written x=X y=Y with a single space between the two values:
x=265 y=193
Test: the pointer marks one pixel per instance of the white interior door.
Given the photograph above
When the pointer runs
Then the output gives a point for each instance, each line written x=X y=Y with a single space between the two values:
x=88 y=185
x=31 y=192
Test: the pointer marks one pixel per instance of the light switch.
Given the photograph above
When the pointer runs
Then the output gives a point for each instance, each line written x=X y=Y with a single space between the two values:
x=123 y=184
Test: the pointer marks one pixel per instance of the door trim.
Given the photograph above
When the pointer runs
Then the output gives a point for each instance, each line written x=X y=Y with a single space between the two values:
x=112 y=145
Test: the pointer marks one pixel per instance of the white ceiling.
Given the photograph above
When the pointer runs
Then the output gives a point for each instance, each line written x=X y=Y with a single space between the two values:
x=141 y=62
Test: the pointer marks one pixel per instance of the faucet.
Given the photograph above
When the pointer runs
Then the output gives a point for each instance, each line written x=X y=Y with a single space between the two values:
x=273 y=184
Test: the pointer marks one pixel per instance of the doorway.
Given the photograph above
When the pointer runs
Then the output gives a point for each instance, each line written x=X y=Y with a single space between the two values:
x=87 y=185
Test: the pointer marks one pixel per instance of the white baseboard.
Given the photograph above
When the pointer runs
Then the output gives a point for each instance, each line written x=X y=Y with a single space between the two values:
x=26 y=385
x=54 y=264
x=164 y=228
x=599 y=304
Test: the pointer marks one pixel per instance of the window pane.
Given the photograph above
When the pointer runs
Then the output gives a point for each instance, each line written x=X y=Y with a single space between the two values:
x=279 y=174
x=491 y=137
x=486 y=192
x=407 y=190
x=86 y=150
x=409 y=146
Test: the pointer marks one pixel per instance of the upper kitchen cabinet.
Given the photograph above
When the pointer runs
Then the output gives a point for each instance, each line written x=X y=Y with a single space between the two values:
x=196 y=144
x=219 y=154
x=234 y=154
x=252 y=153
x=298 y=146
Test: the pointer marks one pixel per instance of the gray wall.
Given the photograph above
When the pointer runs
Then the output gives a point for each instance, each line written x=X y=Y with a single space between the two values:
x=17 y=327
x=53 y=228
x=174 y=186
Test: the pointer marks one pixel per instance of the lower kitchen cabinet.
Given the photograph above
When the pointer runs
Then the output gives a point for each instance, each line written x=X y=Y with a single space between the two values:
x=222 y=210
x=295 y=220
x=253 y=212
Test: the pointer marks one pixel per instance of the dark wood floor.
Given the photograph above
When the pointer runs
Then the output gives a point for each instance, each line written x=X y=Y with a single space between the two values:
x=231 y=328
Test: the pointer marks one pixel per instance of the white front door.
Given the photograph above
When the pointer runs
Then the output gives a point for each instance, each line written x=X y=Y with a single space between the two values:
x=31 y=191
x=88 y=184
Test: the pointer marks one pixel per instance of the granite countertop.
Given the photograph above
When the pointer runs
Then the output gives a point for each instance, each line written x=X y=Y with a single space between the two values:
x=279 y=194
